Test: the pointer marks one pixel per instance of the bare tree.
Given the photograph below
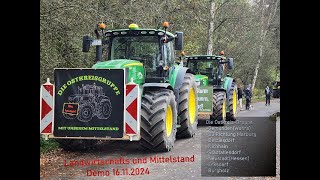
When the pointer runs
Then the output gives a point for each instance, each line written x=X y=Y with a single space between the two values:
x=211 y=28
x=263 y=32
x=234 y=26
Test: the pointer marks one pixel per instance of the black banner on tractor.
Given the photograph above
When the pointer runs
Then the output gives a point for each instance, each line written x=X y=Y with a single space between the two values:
x=89 y=102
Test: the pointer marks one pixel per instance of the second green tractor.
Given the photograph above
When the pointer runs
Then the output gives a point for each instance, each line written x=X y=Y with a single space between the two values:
x=211 y=75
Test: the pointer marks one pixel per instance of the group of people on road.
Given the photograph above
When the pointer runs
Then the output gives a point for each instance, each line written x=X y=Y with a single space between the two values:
x=248 y=95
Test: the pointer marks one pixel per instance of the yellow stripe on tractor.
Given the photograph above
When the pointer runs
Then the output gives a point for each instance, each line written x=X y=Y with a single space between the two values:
x=133 y=64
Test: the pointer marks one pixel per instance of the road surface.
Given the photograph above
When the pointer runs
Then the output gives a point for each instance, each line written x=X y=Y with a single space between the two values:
x=68 y=164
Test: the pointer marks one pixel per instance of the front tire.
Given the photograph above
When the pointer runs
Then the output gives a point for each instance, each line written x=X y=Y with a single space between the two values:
x=219 y=107
x=158 y=120
x=188 y=107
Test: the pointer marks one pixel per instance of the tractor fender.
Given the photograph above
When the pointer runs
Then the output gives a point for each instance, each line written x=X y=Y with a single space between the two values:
x=227 y=86
x=179 y=80
x=180 y=77
x=157 y=85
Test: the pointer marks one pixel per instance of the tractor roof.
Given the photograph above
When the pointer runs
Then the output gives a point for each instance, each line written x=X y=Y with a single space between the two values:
x=159 y=32
x=205 y=57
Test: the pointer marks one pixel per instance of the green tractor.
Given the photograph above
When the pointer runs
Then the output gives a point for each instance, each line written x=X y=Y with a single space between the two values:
x=217 y=91
x=136 y=58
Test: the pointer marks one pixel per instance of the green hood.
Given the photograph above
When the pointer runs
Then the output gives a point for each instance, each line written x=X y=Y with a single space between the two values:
x=136 y=69
x=118 y=63
x=203 y=79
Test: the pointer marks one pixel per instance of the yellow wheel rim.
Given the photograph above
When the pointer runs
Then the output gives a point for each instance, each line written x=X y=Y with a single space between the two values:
x=224 y=107
x=169 y=121
x=192 y=106
x=234 y=104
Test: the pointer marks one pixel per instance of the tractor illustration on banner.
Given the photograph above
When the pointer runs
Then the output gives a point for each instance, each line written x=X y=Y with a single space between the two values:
x=90 y=101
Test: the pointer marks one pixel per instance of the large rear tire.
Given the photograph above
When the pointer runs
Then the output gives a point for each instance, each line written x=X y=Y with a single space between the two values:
x=188 y=107
x=158 y=120
x=218 y=107
x=233 y=103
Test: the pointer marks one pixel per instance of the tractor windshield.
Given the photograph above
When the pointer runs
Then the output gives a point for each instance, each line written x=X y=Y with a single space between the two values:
x=203 y=67
x=142 y=48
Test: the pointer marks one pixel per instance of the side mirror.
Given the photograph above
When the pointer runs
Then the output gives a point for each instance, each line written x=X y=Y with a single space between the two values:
x=230 y=63
x=178 y=43
x=86 y=42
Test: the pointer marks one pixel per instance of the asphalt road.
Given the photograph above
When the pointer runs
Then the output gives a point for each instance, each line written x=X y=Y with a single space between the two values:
x=64 y=167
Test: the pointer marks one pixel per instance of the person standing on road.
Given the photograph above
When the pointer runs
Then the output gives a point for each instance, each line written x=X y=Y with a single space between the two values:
x=248 y=95
x=240 y=97
x=267 y=92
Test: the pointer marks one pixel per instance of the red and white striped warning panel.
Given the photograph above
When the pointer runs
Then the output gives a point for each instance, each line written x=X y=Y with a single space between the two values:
x=132 y=115
x=46 y=108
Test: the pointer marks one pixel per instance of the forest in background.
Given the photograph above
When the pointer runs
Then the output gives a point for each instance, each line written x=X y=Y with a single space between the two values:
x=247 y=30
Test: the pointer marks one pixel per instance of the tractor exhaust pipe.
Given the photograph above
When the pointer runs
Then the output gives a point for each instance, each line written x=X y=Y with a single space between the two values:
x=98 y=47
x=87 y=42
x=99 y=53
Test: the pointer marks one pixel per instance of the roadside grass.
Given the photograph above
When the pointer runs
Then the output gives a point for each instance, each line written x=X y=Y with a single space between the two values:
x=47 y=146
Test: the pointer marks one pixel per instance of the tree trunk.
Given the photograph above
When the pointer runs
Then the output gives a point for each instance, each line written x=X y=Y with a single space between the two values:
x=256 y=70
x=263 y=33
x=211 y=28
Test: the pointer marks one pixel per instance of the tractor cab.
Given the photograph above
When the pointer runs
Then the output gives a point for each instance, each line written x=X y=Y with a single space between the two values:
x=208 y=69
x=147 y=52
x=203 y=67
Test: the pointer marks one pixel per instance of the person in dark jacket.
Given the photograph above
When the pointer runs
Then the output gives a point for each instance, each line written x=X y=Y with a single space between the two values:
x=240 y=97
x=248 y=95
x=267 y=92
